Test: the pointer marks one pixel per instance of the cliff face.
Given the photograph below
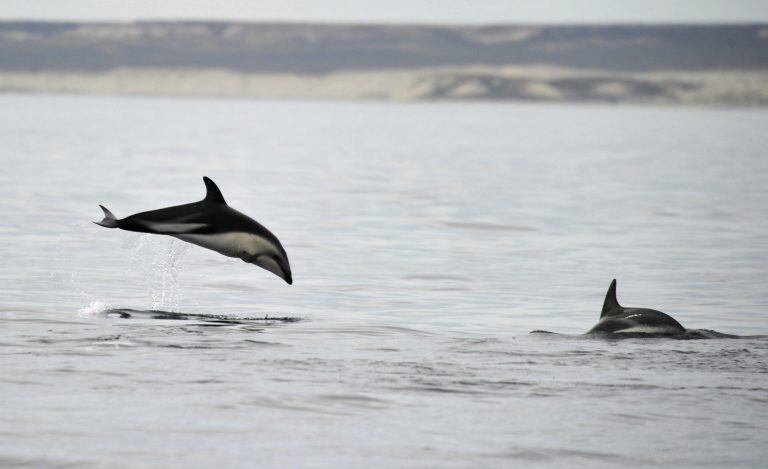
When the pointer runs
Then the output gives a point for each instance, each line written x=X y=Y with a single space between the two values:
x=319 y=48
x=716 y=64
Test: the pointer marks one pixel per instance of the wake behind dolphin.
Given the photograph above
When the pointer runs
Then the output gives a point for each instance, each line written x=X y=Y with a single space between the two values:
x=212 y=224
x=207 y=319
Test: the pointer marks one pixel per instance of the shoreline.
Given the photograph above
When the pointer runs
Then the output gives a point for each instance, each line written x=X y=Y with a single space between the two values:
x=538 y=84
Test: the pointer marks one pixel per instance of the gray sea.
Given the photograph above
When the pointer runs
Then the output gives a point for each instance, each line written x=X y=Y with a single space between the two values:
x=427 y=241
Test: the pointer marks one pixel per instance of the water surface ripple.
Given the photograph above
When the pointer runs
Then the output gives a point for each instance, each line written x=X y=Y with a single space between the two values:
x=427 y=241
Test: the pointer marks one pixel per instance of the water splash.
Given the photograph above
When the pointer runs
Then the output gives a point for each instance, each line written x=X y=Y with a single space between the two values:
x=165 y=288
x=158 y=260
x=72 y=269
x=95 y=308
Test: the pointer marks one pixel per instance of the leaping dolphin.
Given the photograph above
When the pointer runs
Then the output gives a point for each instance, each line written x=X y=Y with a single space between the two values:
x=212 y=224
x=617 y=319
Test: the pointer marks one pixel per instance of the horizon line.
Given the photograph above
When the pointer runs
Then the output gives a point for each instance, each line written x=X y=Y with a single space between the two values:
x=385 y=22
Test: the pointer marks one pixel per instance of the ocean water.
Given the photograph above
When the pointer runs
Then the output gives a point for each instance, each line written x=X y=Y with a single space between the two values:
x=426 y=242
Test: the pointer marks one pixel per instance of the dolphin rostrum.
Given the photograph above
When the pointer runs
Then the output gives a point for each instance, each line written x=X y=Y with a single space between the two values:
x=212 y=224
x=616 y=319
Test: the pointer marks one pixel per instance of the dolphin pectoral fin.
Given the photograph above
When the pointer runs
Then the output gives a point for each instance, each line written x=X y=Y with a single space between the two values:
x=248 y=259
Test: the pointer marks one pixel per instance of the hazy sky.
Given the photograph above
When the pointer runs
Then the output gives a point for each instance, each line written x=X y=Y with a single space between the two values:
x=440 y=11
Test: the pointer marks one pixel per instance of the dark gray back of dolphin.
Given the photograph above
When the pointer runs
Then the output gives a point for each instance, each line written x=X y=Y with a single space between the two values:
x=617 y=319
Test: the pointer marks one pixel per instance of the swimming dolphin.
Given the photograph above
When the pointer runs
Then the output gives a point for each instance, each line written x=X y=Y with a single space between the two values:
x=212 y=224
x=616 y=319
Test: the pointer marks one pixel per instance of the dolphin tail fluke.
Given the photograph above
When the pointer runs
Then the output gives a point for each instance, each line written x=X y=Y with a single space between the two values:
x=109 y=221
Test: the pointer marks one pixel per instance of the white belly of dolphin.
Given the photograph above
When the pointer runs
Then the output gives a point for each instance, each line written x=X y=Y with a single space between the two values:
x=236 y=244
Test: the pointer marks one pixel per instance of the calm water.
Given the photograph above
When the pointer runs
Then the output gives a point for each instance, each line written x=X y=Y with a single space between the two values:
x=426 y=242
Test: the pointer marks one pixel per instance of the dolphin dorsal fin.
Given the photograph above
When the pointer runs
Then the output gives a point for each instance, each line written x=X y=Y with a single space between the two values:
x=610 y=302
x=212 y=194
